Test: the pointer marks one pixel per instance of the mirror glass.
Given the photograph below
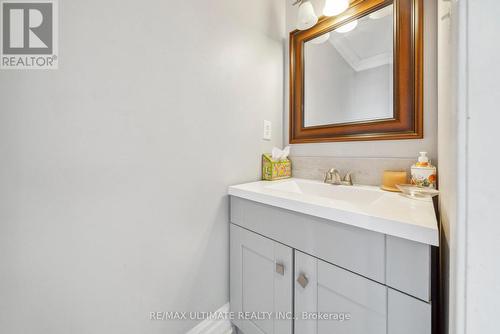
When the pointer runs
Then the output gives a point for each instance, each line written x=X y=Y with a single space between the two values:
x=348 y=72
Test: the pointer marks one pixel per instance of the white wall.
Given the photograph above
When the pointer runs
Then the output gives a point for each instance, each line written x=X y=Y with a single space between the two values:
x=483 y=229
x=388 y=149
x=469 y=94
x=449 y=149
x=114 y=168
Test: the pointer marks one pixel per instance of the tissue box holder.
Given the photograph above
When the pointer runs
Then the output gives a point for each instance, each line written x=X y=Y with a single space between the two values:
x=275 y=170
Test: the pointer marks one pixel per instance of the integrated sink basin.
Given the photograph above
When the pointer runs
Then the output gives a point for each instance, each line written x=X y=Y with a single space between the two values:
x=354 y=195
x=366 y=207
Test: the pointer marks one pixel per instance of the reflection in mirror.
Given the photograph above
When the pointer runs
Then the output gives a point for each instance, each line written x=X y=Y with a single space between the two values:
x=348 y=72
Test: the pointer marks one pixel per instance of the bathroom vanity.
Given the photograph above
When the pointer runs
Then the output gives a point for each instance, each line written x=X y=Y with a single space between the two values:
x=313 y=258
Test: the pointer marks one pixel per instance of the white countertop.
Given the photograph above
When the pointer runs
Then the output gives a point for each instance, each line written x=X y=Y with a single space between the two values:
x=362 y=206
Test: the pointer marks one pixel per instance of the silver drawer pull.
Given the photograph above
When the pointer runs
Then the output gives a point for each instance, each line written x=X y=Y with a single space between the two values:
x=303 y=281
x=280 y=269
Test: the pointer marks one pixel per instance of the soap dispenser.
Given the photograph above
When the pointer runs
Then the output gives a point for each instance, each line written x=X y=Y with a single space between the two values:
x=423 y=174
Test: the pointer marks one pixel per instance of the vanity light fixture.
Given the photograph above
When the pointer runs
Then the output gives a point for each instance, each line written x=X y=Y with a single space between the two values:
x=306 y=17
x=335 y=7
x=347 y=27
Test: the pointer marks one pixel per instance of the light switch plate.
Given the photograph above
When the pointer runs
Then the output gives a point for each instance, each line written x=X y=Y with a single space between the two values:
x=267 y=135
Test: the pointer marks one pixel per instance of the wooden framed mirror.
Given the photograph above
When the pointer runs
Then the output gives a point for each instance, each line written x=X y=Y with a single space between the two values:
x=359 y=75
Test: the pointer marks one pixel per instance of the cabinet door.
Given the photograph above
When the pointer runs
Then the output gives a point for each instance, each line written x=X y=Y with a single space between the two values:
x=350 y=303
x=408 y=315
x=261 y=283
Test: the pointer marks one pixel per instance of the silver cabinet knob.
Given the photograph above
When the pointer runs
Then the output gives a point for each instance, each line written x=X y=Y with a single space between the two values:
x=280 y=268
x=302 y=280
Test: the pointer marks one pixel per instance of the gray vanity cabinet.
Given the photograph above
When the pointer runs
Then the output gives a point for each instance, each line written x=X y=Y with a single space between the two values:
x=363 y=282
x=261 y=283
x=408 y=315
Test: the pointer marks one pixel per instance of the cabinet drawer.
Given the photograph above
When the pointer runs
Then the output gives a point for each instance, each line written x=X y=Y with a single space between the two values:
x=352 y=248
x=409 y=267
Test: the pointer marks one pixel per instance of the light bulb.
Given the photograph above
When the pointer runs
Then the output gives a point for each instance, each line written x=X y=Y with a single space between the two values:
x=335 y=7
x=347 y=27
x=321 y=39
x=306 y=17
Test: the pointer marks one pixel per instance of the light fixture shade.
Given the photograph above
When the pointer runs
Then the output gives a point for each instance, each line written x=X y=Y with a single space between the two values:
x=335 y=7
x=321 y=39
x=306 y=18
x=347 y=27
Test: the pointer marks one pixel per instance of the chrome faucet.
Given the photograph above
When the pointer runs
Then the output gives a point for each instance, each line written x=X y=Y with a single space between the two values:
x=333 y=177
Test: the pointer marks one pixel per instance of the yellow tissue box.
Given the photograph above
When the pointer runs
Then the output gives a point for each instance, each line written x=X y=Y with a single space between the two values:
x=275 y=170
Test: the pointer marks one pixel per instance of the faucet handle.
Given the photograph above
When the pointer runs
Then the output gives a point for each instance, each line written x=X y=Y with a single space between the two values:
x=332 y=176
x=328 y=176
x=348 y=178
x=333 y=171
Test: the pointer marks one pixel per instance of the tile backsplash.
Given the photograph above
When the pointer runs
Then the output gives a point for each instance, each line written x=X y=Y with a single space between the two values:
x=366 y=171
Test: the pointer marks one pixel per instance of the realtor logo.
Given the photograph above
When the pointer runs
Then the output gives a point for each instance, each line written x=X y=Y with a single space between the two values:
x=29 y=34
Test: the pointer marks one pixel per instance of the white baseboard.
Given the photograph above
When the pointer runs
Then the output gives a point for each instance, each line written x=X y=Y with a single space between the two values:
x=213 y=326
